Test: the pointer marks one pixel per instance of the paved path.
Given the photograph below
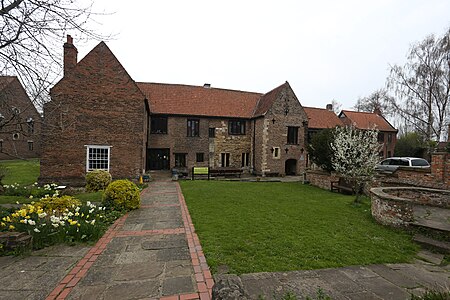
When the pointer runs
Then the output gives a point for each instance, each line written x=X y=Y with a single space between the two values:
x=150 y=253
x=388 y=281
x=34 y=277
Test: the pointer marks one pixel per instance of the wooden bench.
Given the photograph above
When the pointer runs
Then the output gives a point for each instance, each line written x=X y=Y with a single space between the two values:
x=342 y=185
x=226 y=172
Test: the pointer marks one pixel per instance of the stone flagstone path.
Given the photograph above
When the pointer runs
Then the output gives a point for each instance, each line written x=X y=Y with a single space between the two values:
x=150 y=253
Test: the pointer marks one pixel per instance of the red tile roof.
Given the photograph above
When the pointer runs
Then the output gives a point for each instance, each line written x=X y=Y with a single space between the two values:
x=320 y=118
x=365 y=120
x=199 y=101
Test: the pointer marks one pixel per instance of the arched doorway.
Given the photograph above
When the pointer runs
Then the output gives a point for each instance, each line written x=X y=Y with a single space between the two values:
x=290 y=167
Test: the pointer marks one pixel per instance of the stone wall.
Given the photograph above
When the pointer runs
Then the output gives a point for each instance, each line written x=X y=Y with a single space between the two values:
x=178 y=142
x=394 y=205
x=272 y=131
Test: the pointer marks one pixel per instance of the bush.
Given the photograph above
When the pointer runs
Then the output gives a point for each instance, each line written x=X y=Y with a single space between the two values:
x=97 y=180
x=122 y=195
x=60 y=204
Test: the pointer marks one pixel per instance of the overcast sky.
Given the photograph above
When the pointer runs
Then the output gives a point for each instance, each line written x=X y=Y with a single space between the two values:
x=326 y=49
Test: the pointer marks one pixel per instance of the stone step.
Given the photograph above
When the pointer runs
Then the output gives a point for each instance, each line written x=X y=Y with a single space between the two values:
x=440 y=246
x=432 y=217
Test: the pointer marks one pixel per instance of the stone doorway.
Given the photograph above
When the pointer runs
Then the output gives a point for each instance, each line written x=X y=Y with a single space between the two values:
x=290 y=167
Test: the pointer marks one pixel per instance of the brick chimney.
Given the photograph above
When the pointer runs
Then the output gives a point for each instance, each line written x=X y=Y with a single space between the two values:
x=70 y=55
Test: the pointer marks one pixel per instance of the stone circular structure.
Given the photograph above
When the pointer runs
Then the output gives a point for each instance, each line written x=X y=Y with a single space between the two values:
x=395 y=205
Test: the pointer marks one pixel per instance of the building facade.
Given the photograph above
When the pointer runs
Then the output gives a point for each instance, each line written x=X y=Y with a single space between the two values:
x=100 y=118
x=20 y=122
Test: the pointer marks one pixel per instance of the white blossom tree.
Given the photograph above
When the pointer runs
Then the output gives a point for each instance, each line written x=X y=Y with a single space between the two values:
x=355 y=156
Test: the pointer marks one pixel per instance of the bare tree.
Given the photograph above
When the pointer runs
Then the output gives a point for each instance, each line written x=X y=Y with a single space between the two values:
x=30 y=35
x=336 y=105
x=422 y=87
x=378 y=100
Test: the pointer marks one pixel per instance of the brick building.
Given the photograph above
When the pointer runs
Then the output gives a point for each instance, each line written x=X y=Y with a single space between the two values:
x=100 y=118
x=387 y=135
x=20 y=122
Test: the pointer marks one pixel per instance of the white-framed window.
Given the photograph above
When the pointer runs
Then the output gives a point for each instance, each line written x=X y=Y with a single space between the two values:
x=97 y=157
x=276 y=152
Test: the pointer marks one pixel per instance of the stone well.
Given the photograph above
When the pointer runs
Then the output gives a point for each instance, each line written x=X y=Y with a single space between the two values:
x=395 y=205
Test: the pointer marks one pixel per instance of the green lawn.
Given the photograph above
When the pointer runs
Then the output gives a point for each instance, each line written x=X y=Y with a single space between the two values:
x=258 y=227
x=24 y=172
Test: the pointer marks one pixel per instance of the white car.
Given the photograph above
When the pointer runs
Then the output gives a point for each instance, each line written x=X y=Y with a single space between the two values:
x=392 y=163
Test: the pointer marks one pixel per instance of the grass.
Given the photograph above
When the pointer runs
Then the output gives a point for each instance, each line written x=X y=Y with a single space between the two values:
x=24 y=172
x=268 y=227
x=93 y=197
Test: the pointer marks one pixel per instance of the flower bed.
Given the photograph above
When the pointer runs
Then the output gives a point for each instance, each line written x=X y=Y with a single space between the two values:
x=60 y=219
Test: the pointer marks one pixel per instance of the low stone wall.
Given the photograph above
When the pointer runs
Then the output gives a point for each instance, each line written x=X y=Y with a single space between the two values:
x=321 y=179
x=394 y=205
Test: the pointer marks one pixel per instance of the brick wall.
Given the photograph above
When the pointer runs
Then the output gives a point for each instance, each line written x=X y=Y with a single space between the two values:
x=97 y=103
x=17 y=140
x=437 y=177
x=321 y=179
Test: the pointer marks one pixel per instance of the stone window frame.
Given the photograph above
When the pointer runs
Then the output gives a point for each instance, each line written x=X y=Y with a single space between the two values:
x=200 y=157
x=212 y=132
x=245 y=159
x=237 y=127
x=193 y=127
x=225 y=159
x=292 y=135
x=276 y=154
x=98 y=163
x=30 y=145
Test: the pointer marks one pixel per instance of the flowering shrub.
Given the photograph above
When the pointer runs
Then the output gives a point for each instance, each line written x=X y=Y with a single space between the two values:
x=70 y=224
x=97 y=180
x=122 y=195
x=33 y=191
x=57 y=203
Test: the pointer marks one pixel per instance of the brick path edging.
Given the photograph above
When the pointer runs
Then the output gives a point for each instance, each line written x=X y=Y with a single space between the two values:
x=203 y=275
x=79 y=271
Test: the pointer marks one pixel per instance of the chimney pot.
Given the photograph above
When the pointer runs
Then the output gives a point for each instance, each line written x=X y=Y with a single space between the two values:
x=329 y=107
x=70 y=55
x=207 y=85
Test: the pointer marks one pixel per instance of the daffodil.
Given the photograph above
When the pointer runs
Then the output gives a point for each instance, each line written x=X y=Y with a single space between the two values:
x=11 y=227
x=2 y=224
x=36 y=230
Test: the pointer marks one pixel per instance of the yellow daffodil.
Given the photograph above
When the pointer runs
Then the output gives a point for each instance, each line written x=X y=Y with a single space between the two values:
x=2 y=224
x=11 y=227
